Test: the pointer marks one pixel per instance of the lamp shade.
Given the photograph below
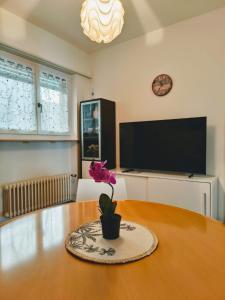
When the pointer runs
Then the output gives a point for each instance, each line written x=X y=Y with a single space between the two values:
x=102 y=20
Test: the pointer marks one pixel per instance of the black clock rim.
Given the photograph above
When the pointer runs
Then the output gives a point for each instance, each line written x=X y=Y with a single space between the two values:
x=170 y=86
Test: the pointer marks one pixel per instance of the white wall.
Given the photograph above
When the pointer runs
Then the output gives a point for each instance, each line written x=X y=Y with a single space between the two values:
x=193 y=53
x=22 y=35
x=19 y=160
x=83 y=92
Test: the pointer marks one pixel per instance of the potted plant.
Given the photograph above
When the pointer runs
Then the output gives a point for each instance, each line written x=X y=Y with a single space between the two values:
x=109 y=219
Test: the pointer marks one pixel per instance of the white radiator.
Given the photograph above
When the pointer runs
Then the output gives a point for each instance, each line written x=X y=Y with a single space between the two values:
x=28 y=195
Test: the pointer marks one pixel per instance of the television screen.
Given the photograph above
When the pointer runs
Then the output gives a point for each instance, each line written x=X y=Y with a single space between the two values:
x=169 y=145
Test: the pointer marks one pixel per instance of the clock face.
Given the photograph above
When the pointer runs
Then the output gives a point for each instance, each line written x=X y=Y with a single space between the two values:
x=162 y=85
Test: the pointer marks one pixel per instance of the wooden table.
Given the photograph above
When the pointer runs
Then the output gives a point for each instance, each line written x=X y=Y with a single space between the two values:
x=188 y=264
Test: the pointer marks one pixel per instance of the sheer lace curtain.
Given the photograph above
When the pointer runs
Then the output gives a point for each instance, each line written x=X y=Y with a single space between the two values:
x=54 y=103
x=17 y=97
x=34 y=99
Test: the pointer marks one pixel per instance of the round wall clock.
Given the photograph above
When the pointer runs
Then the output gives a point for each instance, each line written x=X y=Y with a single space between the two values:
x=162 y=85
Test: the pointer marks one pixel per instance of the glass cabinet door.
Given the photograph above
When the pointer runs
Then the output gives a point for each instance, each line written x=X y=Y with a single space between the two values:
x=90 y=130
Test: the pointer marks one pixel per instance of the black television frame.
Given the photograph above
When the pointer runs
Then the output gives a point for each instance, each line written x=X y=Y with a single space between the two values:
x=201 y=171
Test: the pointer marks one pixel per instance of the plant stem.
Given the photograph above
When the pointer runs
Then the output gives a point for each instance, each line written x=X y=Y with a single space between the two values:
x=112 y=191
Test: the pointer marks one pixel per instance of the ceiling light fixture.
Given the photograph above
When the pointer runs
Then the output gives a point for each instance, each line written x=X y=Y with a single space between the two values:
x=102 y=20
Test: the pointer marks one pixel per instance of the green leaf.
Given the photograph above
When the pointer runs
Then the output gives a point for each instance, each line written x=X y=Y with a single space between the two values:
x=105 y=204
x=114 y=204
x=107 y=207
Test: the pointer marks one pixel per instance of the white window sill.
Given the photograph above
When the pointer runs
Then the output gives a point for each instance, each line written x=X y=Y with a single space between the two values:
x=37 y=138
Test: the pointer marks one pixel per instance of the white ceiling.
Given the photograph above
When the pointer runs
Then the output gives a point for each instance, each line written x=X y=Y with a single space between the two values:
x=62 y=17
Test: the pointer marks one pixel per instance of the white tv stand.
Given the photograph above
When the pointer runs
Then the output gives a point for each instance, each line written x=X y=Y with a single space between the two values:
x=198 y=193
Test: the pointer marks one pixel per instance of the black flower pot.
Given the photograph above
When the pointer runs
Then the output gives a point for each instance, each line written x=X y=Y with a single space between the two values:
x=111 y=226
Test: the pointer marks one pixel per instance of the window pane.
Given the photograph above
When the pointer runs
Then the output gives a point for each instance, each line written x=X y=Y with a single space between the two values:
x=54 y=100
x=17 y=96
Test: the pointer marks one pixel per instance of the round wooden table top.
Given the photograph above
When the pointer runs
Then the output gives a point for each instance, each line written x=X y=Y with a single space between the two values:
x=189 y=262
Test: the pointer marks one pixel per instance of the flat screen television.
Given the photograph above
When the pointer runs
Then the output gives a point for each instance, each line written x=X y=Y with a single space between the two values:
x=177 y=145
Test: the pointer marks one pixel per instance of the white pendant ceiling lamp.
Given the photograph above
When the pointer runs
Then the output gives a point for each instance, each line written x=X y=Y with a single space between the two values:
x=102 y=20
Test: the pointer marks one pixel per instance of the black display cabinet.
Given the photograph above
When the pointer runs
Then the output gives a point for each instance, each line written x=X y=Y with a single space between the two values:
x=98 y=132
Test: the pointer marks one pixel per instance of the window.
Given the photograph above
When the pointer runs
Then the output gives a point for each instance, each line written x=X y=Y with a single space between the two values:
x=33 y=98
x=53 y=102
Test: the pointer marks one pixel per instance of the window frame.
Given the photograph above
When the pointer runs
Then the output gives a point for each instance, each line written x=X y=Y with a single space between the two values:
x=37 y=68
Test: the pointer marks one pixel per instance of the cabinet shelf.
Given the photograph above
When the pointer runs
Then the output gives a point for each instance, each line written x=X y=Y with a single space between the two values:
x=98 y=131
x=198 y=193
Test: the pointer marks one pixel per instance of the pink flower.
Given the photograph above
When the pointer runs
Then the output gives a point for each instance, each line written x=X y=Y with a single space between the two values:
x=100 y=173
